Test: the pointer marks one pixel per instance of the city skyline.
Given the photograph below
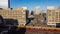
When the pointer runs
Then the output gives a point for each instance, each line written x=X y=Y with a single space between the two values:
x=31 y=4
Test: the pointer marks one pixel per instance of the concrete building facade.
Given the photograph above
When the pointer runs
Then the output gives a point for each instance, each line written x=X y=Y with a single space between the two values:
x=37 y=10
x=19 y=14
x=53 y=16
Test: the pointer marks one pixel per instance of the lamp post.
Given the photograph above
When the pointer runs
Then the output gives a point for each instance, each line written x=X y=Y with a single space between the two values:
x=8 y=3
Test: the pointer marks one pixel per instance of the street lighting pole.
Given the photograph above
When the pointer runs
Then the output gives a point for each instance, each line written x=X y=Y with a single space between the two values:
x=8 y=3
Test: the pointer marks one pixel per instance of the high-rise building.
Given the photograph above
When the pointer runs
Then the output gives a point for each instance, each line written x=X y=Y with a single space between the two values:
x=19 y=14
x=37 y=10
x=43 y=13
x=50 y=15
x=53 y=16
x=57 y=17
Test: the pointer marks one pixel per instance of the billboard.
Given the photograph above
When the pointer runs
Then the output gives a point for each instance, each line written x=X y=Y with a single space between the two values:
x=3 y=3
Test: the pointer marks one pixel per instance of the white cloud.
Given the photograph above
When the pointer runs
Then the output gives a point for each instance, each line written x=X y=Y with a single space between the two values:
x=3 y=3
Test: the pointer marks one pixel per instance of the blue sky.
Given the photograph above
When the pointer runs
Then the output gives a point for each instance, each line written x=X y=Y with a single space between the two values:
x=33 y=3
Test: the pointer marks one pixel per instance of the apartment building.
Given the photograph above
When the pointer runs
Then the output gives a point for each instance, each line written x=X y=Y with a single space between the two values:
x=53 y=15
x=19 y=14
x=37 y=10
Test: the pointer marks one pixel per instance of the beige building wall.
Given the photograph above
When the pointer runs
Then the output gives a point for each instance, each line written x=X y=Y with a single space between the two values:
x=57 y=15
x=53 y=16
x=37 y=10
x=18 y=14
x=50 y=15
